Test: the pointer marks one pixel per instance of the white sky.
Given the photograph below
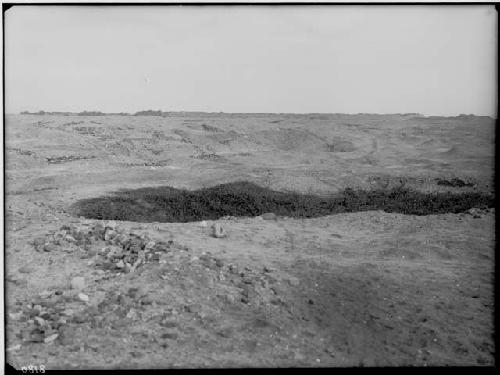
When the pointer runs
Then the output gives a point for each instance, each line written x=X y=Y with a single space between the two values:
x=438 y=60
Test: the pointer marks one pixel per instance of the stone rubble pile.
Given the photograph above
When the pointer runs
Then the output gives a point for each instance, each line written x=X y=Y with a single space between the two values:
x=111 y=248
x=53 y=315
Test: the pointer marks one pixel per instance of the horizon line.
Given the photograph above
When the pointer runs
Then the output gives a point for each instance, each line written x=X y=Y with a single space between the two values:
x=100 y=113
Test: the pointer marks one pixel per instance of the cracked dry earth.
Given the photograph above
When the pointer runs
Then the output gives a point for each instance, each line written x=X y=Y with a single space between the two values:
x=352 y=289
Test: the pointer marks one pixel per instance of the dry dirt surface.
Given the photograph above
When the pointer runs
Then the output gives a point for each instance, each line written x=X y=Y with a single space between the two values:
x=353 y=289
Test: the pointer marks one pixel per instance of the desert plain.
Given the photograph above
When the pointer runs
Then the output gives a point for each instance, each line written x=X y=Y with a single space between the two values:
x=370 y=288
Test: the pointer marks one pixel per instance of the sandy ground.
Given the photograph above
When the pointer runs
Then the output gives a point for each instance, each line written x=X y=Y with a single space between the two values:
x=357 y=289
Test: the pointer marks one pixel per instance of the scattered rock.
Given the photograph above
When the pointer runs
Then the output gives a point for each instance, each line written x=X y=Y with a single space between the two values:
x=109 y=234
x=132 y=314
x=49 y=247
x=13 y=348
x=476 y=213
x=218 y=231
x=99 y=296
x=46 y=294
x=83 y=297
x=146 y=300
x=51 y=338
x=79 y=318
x=78 y=283
x=170 y=336
x=111 y=224
x=229 y=298
x=269 y=216
x=193 y=308
x=150 y=245
x=16 y=316
x=225 y=332
x=70 y=238
x=168 y=324
x=67 y=312
x=25 y=269
x=38 y=243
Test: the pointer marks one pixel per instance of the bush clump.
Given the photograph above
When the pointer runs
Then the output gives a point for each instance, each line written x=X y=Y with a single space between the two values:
x=166 y=204
x=454 y=182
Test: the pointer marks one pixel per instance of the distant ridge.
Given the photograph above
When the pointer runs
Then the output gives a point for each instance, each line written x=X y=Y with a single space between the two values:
x=313 y=115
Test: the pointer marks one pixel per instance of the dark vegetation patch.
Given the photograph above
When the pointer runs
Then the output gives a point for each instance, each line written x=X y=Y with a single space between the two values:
x=66 y=159
x=454 y=182
x=210 y=128
x=166 y=204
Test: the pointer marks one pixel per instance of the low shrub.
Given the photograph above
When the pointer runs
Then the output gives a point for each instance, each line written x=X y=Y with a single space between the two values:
x=454 y=182
x=166 y=204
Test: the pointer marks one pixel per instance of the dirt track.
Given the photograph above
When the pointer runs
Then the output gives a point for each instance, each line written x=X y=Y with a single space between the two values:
x=367 y=288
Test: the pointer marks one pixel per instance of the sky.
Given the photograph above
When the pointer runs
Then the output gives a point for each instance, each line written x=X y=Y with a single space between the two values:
x=434 y=60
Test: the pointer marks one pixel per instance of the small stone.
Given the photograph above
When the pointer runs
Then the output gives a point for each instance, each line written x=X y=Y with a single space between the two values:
x=218 y=231
x=150 y=245
x=38 y=243
x=58 y=292
x=83 y=297
x=269 y=216
x=170 y=336
x=15 y=316
x=134 y=292
x=67 y=312
x=25 y=269
x=99 y=296
x=78 y=283
x=132 y=314
x=13 y=348
x=70 y=238
x=194 y=308
x=109 y=234
x=203 y=224
x=120 y=264
x=169 y=324
x=111 y=224
x=39 y=321
x=225 y=332
x=79 y=318
x=146 y=300
x=219 y=263
x=51 y=338
x=49 y=247
x=229 y=298
x=294 y=281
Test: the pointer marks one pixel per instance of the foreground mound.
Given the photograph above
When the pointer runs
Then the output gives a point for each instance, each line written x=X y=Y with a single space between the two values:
x=167 y=204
